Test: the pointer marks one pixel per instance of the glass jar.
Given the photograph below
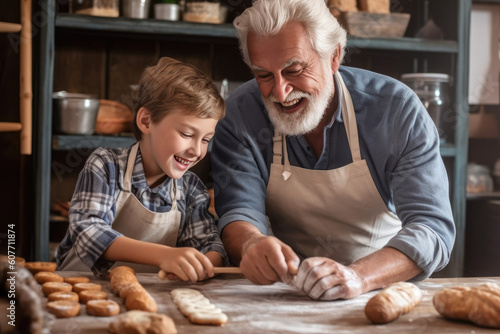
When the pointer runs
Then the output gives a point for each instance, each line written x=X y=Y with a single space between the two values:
x=433 y=91
x=95 y=7
x=479 y=179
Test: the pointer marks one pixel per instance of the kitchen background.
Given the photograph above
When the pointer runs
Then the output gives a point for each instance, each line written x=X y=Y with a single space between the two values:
x=104 y=57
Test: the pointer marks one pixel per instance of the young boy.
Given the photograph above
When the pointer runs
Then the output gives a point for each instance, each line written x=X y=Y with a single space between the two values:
x=141 y=205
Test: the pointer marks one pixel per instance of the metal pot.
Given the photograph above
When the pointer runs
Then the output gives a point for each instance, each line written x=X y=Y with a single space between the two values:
x=74 y=113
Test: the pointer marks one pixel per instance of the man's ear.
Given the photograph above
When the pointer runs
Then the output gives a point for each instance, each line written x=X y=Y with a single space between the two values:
x=336 y=59
x=143 y=120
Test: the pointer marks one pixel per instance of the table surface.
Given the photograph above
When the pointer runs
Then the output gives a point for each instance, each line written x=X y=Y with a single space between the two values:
x=280 y=308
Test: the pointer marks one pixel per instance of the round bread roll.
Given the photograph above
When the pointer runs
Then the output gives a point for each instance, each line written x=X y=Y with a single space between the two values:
x=79 y=287
x=63 y=295
x=51 y=287
x=35 y=267
x=122 y=279
x=76 y=279
x=63 y=308
x=130 y=289
x=142 y=322
x=142 y=301
x=87 y=295
x=46 y=276
x=102 y=308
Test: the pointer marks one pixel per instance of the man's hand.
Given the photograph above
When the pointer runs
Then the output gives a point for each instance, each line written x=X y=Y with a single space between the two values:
x=267 y=260
x=324 y=279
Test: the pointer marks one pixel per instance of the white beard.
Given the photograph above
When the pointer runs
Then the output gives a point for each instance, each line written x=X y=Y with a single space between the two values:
x=303 y=121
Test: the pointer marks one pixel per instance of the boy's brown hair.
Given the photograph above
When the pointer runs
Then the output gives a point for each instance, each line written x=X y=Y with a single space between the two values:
x=172 y=85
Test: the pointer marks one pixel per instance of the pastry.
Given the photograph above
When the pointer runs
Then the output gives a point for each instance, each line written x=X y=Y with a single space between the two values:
x=138 y=322
x=123 y=282
x=63 y=308
x=79 y=287
x=63 y=295
x=393 y=301
x=142 y=301
x=102 y=308
x=51 y=287
x=76 y=279
x=46 y=276
x=35 y=267
x=87 y=295
x=197 y=308
x=480 y=304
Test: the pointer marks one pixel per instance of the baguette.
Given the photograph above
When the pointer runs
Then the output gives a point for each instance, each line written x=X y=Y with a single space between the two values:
x=392 y=302
x=479 y=305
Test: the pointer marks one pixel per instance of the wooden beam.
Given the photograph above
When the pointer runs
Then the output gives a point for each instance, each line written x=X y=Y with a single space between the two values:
x=10 y=126
x=26 y=93
x=9 y=27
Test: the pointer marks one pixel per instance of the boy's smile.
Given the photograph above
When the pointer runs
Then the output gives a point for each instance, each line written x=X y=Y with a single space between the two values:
x=174 y=144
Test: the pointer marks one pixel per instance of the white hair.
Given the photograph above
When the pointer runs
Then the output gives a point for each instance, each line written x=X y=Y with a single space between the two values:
x=267 y=17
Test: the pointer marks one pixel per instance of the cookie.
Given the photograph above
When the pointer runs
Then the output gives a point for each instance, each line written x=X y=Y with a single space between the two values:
x=79 y=287
x=46 y=276
x=76 y=279
x=102 y=308
x=51 y=287
x=197 y=308
x=63 y=308
x=63 y=295
x=87 y=295
x=35 y=267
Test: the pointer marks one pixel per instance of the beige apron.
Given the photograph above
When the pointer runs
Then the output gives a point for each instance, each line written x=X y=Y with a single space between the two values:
x=336 y=213
x=133 y=220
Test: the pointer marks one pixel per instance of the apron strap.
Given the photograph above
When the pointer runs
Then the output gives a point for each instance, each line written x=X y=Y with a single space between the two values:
x=174 y=194
x=279 y=146
x=127 y=178
x=349 y=118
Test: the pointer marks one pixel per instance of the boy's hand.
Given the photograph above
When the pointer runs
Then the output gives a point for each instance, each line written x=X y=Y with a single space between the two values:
x=187 y=263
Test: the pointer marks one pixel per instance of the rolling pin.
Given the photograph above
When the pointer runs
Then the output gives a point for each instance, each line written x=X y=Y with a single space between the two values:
x=217 y=270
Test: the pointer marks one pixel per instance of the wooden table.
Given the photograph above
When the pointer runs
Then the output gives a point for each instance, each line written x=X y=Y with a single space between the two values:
x=279 y=308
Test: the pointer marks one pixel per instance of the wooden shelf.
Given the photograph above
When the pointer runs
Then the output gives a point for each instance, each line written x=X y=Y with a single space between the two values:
x=10 y=126
x=146 y=28
x=6 y=27
x=70 y=142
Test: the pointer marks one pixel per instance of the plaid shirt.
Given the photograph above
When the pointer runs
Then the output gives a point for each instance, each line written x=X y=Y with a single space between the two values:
x=93 y=209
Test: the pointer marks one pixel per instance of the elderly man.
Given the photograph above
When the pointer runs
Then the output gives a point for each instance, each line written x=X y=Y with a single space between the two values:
x=326 y=177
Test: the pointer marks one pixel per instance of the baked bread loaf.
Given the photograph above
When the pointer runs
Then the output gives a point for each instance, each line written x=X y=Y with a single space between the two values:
x=375 y=6
x=480 y=304
x=138 y=322
x=392 y=302
x=123 y=282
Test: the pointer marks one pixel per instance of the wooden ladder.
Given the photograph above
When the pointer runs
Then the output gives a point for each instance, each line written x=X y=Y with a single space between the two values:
x=25 y=73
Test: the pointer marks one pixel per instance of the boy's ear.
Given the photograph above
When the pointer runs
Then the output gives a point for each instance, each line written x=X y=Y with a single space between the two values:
x=143 y=120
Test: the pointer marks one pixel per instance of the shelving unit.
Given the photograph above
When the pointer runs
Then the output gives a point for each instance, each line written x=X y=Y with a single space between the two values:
x=455 y=50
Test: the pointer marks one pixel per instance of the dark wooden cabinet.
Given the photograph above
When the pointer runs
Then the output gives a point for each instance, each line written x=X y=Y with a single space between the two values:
x=104 y=56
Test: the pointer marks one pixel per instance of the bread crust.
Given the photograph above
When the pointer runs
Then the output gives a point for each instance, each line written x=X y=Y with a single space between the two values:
x=479 y=305
x=392 y=302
